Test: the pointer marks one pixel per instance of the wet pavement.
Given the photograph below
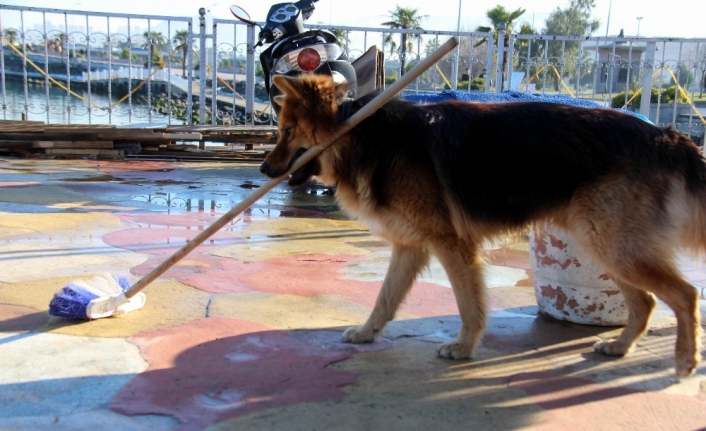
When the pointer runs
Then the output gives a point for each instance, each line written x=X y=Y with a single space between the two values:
x=244 y=333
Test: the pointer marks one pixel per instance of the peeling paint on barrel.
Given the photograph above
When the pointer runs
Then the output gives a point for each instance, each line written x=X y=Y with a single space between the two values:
x=568 y=285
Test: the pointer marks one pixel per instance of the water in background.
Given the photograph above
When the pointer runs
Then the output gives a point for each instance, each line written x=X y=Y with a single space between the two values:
x=60 y=101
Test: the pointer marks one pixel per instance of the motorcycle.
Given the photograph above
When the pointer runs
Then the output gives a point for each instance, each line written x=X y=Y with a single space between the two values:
x=293 y=51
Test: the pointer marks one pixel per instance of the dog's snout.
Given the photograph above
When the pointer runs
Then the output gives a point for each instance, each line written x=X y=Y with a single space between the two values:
x=264 y=168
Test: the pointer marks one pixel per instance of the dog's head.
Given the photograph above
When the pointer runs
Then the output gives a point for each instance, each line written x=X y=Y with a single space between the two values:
x=308 y=118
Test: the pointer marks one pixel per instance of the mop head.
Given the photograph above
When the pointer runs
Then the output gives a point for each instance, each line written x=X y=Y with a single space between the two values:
x=101 y=296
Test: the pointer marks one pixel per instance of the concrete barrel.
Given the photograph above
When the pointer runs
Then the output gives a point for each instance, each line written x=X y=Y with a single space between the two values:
x=568 y=284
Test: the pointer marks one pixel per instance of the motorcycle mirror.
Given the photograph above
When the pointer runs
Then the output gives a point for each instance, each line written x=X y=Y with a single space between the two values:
x=240 y=13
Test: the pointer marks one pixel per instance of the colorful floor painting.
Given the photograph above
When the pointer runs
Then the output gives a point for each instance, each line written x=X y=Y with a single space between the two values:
x=245 y=332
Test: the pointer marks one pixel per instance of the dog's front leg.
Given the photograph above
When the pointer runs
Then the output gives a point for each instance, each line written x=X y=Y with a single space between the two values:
x=465 y=271
x=405 y=264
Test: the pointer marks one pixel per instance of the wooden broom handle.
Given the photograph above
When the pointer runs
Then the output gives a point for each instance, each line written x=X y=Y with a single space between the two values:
x=305 y=158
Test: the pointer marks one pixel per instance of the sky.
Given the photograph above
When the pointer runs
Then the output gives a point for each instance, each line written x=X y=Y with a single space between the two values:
x=677 y=18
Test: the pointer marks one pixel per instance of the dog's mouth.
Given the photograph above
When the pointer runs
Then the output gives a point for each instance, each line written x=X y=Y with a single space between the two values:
x=303 y=174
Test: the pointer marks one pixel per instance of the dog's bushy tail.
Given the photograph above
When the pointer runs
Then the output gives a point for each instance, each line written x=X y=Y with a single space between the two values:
x=693 y=168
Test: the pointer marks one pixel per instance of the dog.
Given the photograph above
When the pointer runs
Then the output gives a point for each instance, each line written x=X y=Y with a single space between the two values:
x=443 y=178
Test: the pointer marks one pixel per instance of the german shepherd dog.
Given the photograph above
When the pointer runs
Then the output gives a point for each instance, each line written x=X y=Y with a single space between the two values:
x=442 y=178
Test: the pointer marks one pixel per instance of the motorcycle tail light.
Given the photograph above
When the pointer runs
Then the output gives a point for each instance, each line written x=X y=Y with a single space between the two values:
x=309 y=59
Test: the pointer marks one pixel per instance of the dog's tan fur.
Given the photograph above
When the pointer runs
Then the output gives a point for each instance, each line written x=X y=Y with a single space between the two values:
x=630 y=221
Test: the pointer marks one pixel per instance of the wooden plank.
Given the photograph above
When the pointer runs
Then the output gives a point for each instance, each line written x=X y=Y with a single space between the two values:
x=181 y=147
x=165 y=137
x=133 y=135
x=78 y=128
x=183 y=136
x=222 y=129
x=240 y=138
x=106 y=145
x=82 y=152
x=15 y=144
x=2 y=122
x=47 y=137
x=19 y=128
x=153 y=126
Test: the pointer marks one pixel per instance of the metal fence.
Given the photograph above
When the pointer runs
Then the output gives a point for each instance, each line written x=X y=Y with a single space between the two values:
x=85 y=67
x=77 y=60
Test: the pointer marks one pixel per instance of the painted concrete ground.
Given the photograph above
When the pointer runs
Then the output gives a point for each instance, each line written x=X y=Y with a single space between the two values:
x=245 y=332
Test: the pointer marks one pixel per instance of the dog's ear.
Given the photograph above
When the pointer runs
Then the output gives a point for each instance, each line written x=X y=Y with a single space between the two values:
x=289 y=86
x=343 y=93
x=279 y=99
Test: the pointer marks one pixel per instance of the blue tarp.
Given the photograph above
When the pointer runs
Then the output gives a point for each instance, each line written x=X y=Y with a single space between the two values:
x=509 y=96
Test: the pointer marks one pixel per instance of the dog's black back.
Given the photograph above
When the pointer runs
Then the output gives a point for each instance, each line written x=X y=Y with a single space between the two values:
x=512 y=162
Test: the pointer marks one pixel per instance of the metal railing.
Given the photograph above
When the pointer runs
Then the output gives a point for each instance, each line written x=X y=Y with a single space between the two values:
x=125 y=68
x=82 y=47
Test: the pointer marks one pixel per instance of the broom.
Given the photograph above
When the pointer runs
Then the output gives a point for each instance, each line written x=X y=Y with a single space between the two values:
x=107 y=295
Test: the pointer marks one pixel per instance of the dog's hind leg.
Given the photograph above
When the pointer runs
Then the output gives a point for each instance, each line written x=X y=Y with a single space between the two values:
x=682 y=297
x=632 y=229
x=465 y=271
x=647 y=268
x=640 y=305
x=405 y=265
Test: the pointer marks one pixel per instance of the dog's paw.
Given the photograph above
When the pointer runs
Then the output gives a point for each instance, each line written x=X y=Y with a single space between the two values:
x=455 y=351
x=686 y=365
x=611 y=348
x=358 y=335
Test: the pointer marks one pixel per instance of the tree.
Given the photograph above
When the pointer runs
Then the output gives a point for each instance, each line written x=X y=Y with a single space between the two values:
x=574 y=20
x=404 y=18
x=701 y=65
x=125 y=54
x=388 y=40
x=154 y=40
x=498 y=17
x=341 y=37
x=182 y=38
x=685 y=76
x=11 y=36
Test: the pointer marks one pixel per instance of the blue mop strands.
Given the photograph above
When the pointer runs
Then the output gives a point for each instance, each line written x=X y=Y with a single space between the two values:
x=72 y=301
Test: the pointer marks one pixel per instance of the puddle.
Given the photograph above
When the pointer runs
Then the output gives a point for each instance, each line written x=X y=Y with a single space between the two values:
x=289 y=205
x=98 y=178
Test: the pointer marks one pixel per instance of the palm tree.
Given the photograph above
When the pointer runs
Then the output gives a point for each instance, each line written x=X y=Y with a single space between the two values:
x=404 y=18
x=388 y=40
x=154 y=40
x=431 y=46
x=11 y=36
x=341 y=37
x=499 y=16
x=182 y=38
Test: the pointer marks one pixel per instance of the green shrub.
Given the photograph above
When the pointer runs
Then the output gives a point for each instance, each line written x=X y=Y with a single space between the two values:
x=667 y=97
x=476 y=84
x=389 y=80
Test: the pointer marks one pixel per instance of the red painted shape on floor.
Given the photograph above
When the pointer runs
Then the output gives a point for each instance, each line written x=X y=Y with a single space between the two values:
x=213 y=369
x=15 y=318
x=577 y=404
x=306 y=275
x=16 y=184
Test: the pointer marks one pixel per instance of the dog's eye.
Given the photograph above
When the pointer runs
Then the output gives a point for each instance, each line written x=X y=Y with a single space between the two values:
x=287 y=133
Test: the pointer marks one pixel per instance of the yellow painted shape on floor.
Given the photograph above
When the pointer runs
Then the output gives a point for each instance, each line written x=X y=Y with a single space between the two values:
x=282 y=237
x=169 y=303
x=52 y=196
x=6 y=232
x=61 y=244
x=290 y=311
x=49 y=223
x=31 y=259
